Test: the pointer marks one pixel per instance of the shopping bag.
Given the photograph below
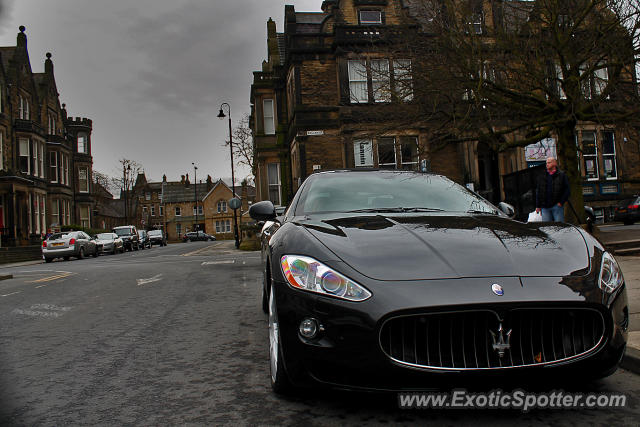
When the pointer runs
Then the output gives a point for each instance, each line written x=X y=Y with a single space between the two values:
x=535 y=217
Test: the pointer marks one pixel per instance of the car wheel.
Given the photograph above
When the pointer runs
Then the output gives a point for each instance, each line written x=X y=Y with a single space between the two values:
x=627 y=222
x=48 y=259
x=81 y=253
x=279 y=381
x=95 y=253
x=66 y=258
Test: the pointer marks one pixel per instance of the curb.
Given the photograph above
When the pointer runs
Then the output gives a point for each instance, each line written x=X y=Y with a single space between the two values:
x=6 y=276
x=631 y=360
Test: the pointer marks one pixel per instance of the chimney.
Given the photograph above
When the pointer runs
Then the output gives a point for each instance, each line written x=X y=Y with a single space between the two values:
x=182 y=179
x=186 y=181
x=48 y=64
x=164 y=178
x=209 y=183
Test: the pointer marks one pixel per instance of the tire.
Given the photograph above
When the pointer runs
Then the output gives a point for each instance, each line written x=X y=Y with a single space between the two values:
x=66 y=257
x=48 y=260
x=95 y=253
x=81 y=253
x=279 y=381
x=627 y=222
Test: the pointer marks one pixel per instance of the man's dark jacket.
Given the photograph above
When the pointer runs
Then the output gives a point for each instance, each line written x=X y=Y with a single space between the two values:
x=560 y=189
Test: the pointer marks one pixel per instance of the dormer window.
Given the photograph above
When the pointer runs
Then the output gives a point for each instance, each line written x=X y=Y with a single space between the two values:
x=370 y=17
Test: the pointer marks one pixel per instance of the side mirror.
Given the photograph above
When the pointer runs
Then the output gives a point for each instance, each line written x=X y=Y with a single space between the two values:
x=263 y=211
x=507 y=209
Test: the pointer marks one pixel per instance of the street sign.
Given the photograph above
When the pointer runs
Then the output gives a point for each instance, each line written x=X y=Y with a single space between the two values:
x=235 y=203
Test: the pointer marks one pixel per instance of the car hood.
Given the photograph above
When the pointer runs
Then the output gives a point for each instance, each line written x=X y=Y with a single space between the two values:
x=440 y=246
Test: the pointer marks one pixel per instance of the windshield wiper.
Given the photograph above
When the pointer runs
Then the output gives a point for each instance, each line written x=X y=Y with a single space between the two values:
x=398 y=209
x=474 y=211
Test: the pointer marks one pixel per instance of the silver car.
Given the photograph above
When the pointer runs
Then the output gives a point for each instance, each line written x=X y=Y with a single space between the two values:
x=68 y=244
x=109 y=243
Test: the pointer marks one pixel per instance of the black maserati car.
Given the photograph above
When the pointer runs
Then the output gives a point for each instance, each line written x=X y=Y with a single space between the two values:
x=392 y=280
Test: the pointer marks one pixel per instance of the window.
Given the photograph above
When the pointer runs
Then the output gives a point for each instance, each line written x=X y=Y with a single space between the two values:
x=36 y=162
x=358 y=81
x=53 y=166
x=43 y=212
x=222 y=206
x=198 y=210
x=362 y=153
x=51 y=125
x=30 y=214
x=41 y=145
x=178 y=211
x=153 y=210
x=36 y=212
x=600 y=80
x=269 y=123
x=402 y=79
x=559 y=80
x=161 y=210
x=380 y=80
x=147 y=196
x=179 y=229
x=63 y=218
x=85 y=221
x=409 y=153
x=609 y=155
x=370 y=17
x=273 y=178
x=55 y=212
x=23 y=108
x=144 y=211
x=83 y=180
x=82 y=143
x=475 y=23
x=223 y=226
x=68 y=211
x=386 y=153
x=1 y=149
x=590 y=155
x=25 y=154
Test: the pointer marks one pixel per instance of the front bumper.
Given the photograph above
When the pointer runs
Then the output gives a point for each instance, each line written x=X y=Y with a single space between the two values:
x=348 y=353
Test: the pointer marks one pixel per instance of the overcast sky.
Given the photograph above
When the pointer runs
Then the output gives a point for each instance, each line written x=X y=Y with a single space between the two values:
x=151 y=74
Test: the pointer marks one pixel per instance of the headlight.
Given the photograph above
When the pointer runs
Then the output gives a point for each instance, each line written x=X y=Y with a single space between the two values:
x=306 y=273
x=610 y=274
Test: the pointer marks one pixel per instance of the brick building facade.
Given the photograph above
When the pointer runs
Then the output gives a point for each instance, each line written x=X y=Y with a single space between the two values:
x=45 y=156
x=317 y=104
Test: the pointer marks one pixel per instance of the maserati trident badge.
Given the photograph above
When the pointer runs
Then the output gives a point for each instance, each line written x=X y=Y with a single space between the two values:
x=497 y=289
x=501 y=341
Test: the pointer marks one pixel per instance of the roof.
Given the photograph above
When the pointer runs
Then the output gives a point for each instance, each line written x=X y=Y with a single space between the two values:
x=310 y=17
x=113 y=208
x=176 y=192
x=7 y=54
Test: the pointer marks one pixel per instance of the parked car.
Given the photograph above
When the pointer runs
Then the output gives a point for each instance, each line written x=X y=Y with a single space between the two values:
x=69 y=244
x=143 y=239
x=628 y=211
x=197 y=235
x=403 y=280
x=109 y=243
x=157 y=237
x=129 y=236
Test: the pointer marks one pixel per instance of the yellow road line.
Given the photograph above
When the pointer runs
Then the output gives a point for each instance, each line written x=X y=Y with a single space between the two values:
x=50 y=278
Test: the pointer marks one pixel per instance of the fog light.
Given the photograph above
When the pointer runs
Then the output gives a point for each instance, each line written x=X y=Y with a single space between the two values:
x=309 y=328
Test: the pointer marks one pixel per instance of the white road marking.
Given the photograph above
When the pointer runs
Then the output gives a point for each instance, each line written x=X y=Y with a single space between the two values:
x=8 y=295
x=155 y=278
x=36 y=310
x=229 y=261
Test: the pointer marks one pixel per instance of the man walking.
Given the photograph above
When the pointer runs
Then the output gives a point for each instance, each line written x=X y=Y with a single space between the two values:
x=552 y=192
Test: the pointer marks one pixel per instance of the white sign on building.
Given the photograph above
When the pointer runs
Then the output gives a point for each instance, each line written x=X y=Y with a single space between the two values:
x=539 y=151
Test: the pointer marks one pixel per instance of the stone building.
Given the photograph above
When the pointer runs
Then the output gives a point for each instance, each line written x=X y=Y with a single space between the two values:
x=45 y=156
x=316 y=104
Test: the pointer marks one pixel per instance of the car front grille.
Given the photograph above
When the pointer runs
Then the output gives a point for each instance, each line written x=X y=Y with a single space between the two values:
x=486 y=339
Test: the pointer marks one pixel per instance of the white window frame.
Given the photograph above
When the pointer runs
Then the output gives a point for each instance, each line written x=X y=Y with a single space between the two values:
x=403 y=162
x=363 y=153
x=86 y=179
x=370 y=21
x=271 y=185
x=593 y=156
x=179 y=229
x=380 y=80
x=36 y=212
x=23 y=108
x=385 y=141
x=85 y=221
x=53 y=166
x=178 y=211
x=269 y=120
x=24 y=142
x=609 y=156
x=402 y=75
x=66 y=170
x=600 y=80
x=42 y=154
x=147 y=196
x=82 y=141
x=222 y=206
x=51 y=124
x=357 y=70
x=198 y=209
x=55 y=212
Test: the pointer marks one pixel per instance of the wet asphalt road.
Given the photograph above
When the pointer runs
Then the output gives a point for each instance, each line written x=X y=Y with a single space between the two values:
x=175 y=336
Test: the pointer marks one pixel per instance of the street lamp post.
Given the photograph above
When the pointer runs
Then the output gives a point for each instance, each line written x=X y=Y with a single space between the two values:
x=221 y=116
x=126 y=169
x=195 y=194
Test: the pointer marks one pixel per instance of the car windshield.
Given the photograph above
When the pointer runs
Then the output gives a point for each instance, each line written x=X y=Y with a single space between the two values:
x=387 y=192
x=105 y=236
x=122 y=231
x=155 y=233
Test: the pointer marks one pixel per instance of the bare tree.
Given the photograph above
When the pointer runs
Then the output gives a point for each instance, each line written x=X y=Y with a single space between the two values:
x=518 y=73
x=243 y=150
x=130 y=171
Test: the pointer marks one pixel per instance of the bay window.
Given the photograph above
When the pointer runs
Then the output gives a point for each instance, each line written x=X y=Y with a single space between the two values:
x=53 y=166
x=83 y=180
x=25 y=156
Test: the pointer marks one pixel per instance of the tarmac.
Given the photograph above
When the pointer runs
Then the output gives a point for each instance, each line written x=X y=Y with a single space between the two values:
x=630 y=266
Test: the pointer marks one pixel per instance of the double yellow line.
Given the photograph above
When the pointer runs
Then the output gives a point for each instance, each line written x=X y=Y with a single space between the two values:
x=62 y=275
